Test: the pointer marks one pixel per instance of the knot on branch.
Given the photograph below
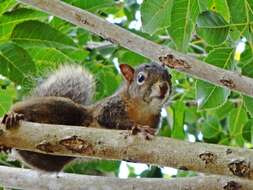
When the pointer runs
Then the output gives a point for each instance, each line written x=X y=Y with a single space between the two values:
x=173 y=62
x=45 y=147
x=228 y=83
x=232 y=185
x=229 y=151
x=83 y=20
x=76 y=144
x=208 y=157
x=239 y=168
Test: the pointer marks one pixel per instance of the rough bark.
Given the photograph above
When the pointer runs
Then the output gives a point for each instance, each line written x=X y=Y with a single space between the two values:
x=30 y=180
x=119 y=145
x=149 y=49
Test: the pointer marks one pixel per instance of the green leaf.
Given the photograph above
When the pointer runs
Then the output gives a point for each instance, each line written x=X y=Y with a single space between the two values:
x=44 y=36
x=212 y=28
x=83 y=36
x=178 y=120
x=191 y=115
x=6 y=98
x=48 y=58
x=183 y=18
x=221 y=7
x=248 y=103
x=156 y=14
x=76 y=54
x=211 y=128
x=10 y=19
x=246 y=62
x=107 y=79
x=93 y=167
x=234 y=34
x=203 y=5
x=250 y=3
x=92 y=6
x=107 y=166
x=61 y=25
x=153 y=171
x=220 y=57
x=225 y=141
x=222 y=111
x=248 y=131
x=131 y=58
x=41 y=35
x=208 y=95
x=16 y=63
x=236 y=120
x=5 y=5
x=238 y=13
x=165 y=130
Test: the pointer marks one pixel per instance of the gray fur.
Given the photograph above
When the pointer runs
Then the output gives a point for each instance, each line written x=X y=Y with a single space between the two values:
x=70 y=81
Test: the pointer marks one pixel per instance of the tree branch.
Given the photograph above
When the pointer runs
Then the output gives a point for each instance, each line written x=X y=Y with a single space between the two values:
x=29 y=180
x=119 y=145
x=149 y=49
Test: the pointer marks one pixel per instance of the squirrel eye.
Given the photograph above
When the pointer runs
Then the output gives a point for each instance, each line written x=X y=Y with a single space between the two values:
x=140 y=78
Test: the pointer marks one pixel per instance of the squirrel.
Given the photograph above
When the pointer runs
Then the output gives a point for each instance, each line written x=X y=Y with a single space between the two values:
x=65 y=97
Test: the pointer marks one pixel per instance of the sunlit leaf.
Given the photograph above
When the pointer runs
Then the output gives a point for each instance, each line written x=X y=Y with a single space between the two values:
x=156 y=14
x=211 y=128
x=5 y=5
x=221 y=7
x=209 y=95
x=16 y=63
x=236 y=120
x=93 y=5
x=248 y=102
x=10 y=19
x=212 y=28
x=183 y=18
x=239 y=13
x=178 y=120
x=41 y=35
x=248 y=131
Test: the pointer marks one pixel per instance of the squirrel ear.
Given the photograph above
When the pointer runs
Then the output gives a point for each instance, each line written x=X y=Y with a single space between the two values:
x=127 y=71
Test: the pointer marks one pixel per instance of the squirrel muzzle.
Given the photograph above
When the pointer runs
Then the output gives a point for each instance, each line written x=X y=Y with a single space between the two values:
x=160 y=90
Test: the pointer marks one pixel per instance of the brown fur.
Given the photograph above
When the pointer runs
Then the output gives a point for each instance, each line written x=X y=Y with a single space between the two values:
x=130 y=106
x=138 y=113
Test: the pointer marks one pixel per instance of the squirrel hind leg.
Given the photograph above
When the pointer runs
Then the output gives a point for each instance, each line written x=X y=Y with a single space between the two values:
x=70 y=81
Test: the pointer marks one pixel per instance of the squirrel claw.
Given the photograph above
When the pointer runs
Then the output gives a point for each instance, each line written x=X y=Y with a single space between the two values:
x=12 y=119
x=146 y=131
x=4 y=149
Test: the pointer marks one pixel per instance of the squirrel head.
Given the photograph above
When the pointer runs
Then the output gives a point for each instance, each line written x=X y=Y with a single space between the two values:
x=149 y=84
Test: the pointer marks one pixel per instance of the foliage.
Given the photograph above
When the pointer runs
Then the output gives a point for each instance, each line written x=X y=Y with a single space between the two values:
x=33 y=43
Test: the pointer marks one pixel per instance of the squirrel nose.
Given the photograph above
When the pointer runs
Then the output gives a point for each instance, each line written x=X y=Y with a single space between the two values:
x=163 y=89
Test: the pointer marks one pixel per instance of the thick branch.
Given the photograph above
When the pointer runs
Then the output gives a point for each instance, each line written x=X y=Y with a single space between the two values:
x=116 y=144
x=29 y=180
x=149 y=49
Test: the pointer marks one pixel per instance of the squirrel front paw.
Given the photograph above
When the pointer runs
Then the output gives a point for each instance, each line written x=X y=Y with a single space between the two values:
x=144 y=130
x=11 y=120
x=4 y=149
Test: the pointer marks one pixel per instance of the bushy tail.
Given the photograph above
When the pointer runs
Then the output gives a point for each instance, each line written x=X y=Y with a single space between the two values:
x=70 y=81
